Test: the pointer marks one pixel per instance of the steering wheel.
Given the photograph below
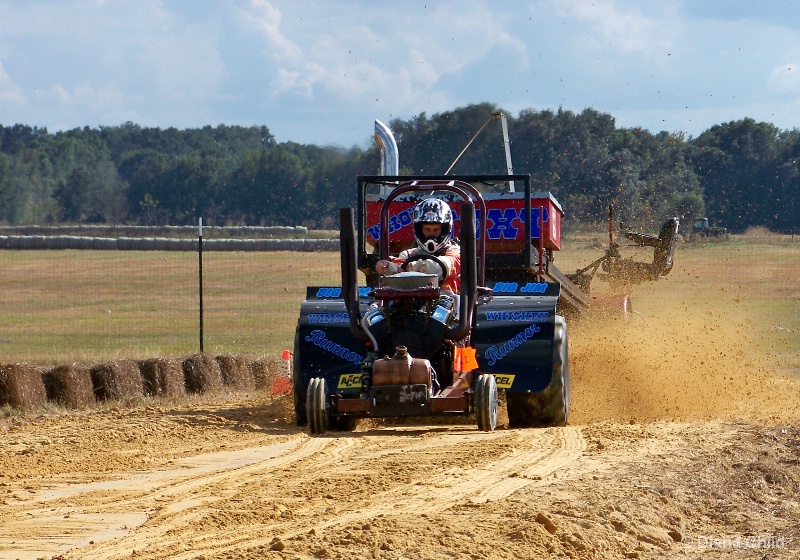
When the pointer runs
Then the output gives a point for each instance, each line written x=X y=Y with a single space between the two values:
x=426 y=257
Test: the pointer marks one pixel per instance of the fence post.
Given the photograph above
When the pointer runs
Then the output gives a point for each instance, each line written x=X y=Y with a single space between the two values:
x=200 y=267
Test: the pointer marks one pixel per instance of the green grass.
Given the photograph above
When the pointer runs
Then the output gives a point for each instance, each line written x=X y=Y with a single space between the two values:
x=82 y=306
x=65 y=306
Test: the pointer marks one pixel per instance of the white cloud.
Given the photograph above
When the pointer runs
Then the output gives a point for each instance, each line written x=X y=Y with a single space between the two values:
x=321 y=71
x=10 y=92
x=267 y=18
x=394 y=60
x=785 y=79
x=621 y=26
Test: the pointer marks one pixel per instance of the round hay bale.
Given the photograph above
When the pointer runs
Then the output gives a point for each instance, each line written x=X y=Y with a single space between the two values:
x=138 y=244
x=290 y=245
x=163 y=377
x=247 y=245
x=188 y=245
x=117 y=380
x=125 y=243
x=83 y=243
x=38 y=242
x=201 y=373
x=261 y=244
x=235 y=372
x=69 y=386
x=104 y=243
x=61 y=242
x=215 y=244
x=316 y=245
x=165 y=244
x=21 y=386
x=24 y=242
x=264 y=371
x=235 y=244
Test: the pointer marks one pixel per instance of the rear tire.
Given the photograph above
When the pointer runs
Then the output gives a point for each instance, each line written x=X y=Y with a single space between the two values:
x=551 y=406
x=486 y=402
x=317 y=406
x=298 y=389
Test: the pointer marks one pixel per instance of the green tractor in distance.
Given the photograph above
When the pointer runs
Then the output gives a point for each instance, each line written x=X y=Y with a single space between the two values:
x=701 y=229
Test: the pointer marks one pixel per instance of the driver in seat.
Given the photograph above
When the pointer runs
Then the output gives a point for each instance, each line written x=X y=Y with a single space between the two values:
x=433 y=233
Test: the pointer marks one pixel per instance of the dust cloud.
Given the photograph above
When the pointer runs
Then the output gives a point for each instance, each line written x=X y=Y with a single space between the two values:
x=681 y=365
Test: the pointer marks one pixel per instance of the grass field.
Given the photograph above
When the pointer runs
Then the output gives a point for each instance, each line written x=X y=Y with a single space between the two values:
x=82 y=306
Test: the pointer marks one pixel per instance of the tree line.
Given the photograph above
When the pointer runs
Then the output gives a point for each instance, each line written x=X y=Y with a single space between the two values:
x=738 y=174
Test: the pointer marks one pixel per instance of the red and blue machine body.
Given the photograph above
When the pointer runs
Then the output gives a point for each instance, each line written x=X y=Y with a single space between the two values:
x=391 y=347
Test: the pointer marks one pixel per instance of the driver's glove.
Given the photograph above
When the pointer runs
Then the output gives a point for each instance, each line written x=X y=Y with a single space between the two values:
x=387 y=268
x=427 y=267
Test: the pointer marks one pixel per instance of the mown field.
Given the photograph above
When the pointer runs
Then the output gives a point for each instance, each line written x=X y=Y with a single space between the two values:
x=82 y=306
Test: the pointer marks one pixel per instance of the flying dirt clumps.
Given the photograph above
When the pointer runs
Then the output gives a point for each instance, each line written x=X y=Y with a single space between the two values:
x=707 y=365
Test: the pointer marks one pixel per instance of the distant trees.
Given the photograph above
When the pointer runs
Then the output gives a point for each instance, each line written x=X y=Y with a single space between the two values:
x=740 y=173
x=748 y=171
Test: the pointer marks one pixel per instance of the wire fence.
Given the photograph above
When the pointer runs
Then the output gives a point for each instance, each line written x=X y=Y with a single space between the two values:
x=74 y=306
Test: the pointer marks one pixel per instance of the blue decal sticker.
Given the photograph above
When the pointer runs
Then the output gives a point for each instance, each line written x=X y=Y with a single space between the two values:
x=317 y=338
x=396 y=222
x=518 y=316
x=505 y=287
x=494 y=354
x=328 y=318
x=329 y=293
x=501 y=219
x=534 y=288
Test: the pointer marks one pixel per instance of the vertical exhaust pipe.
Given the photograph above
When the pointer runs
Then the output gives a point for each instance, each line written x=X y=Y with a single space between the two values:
x=469 y=273
x=347 y=248
x=390 y=156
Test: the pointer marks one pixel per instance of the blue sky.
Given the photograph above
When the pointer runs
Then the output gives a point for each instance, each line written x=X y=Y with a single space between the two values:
x=320 y=72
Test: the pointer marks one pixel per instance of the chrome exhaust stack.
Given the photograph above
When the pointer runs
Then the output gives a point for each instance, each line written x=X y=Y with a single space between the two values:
x=390 y=157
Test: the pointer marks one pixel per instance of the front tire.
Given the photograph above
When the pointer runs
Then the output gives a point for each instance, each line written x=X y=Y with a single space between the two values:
x=317 y=406
x=486 y=402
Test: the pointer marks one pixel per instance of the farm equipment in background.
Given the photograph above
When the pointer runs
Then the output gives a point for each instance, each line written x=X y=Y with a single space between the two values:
x=402 y=346
x=701 y=228
x=624 y=273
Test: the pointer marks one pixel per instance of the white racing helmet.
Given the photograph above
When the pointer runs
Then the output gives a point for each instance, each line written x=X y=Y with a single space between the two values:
x=433 y=211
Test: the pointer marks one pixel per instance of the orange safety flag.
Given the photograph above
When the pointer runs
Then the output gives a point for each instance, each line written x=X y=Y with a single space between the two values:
x=464 y=360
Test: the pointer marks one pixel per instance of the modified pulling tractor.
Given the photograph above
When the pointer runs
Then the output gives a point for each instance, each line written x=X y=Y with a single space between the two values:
x=402 y=346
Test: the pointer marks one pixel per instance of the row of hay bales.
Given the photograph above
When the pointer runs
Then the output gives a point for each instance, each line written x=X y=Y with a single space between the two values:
x=27 y=242
x=77 y=386
x=99 y=230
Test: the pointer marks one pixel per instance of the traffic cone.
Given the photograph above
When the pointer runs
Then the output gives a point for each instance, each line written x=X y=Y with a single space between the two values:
x=282 y=384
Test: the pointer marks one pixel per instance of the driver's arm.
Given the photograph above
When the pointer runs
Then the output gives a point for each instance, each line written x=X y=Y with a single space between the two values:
x=387 y=267
x=392 y=266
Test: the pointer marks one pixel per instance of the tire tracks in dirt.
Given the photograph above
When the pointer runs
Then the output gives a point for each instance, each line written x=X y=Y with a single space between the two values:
x=221 y=502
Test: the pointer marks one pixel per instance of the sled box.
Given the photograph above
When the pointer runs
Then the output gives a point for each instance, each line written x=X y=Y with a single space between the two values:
x=504 y=222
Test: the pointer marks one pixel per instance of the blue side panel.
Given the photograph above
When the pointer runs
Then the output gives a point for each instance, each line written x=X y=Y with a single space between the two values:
x=325 y=346
x=514 y=340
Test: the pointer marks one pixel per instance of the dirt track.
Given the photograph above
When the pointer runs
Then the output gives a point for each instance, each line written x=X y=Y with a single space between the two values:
x=683 y=443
